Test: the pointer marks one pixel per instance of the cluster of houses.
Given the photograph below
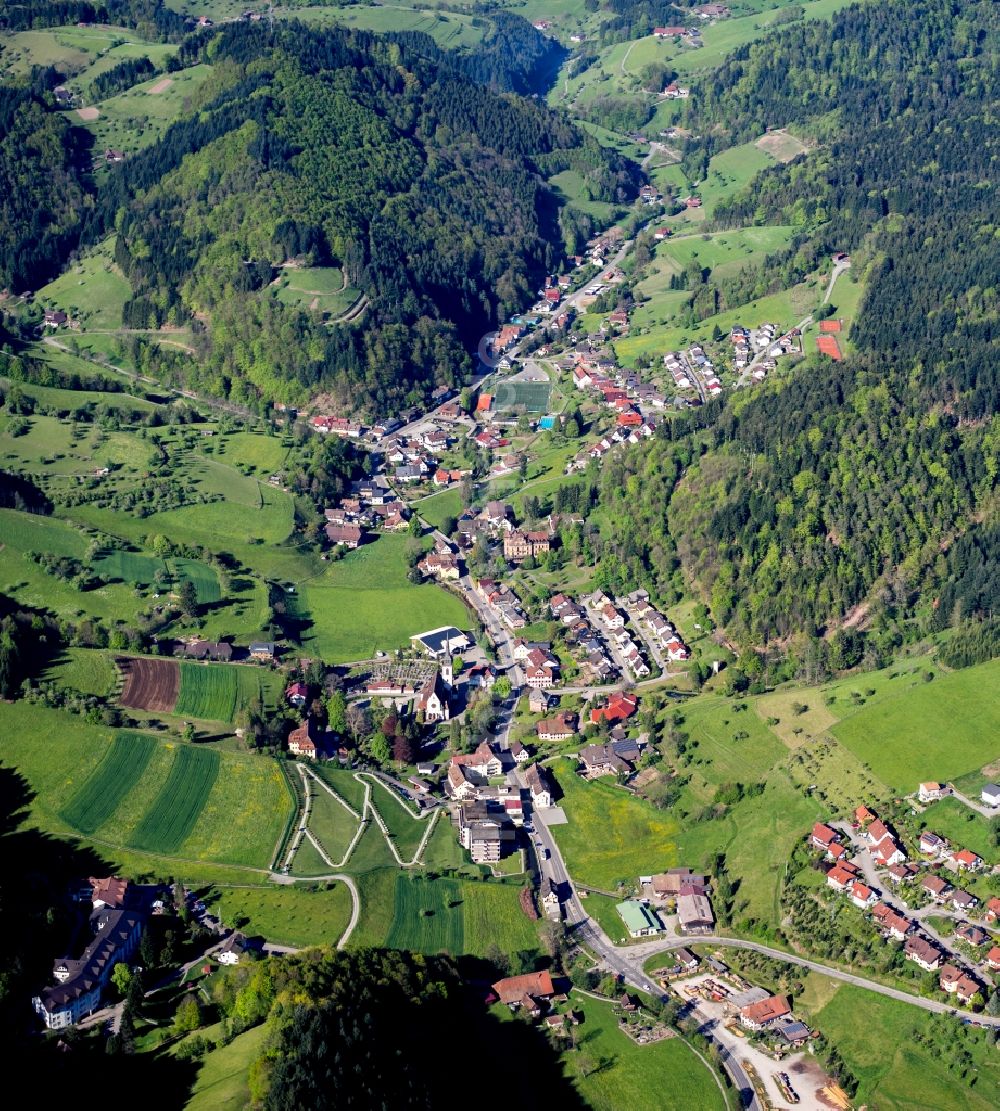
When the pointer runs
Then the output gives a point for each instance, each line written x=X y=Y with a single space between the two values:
x=591 y=650
x=504 y=600
x=679 y=891
x=693 y=370
x=614 y=621
x=749 y=344
x=371 y=504
x=414 y=459
x=489 y=813
x=116 y=921
x=845 y=877
x=638 y=605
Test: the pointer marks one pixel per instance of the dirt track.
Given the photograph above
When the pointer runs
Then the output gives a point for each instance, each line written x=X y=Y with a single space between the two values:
x=150 y=684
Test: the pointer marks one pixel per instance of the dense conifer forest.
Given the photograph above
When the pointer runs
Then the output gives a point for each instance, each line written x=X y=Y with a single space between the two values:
x=836 y=496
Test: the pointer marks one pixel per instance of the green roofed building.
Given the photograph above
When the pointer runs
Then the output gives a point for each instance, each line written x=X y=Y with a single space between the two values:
x=640 y=920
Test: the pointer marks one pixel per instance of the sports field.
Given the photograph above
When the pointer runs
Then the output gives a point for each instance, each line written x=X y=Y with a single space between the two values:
x=522 y=396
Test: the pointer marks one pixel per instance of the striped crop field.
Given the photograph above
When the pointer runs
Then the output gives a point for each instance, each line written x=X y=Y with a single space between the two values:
x=214 y=692
x=109 y=783
x=176 y=809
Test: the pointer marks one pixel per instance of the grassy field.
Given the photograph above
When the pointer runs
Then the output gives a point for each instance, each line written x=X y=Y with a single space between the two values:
x=364 y=603
x=78 y=52
x=321 y=289
x=731 y=171
x=87 y=670
x=214 y=692
x=757 y=836
x=916 y=731
x=665 y=1076
x=176 y=809
x=405 y=829
x=256 y=451
x=138 y=117
x=133 y=791
x=611 y=835
x=93 y=291
x=434 y=509
x=221 y=1084
x=894 y=1070
x=331 y=825
x=963 y=827
x=449 y=29
x=492 y=915
x=118 y=772
x=286 y=915
x=784 y=309
x=427 y=916
x=723 y=753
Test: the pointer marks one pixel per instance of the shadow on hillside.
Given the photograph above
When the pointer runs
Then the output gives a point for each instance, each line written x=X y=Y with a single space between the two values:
x=37 y=924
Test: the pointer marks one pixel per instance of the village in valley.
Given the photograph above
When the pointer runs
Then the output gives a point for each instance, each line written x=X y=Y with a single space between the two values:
x=333 y=677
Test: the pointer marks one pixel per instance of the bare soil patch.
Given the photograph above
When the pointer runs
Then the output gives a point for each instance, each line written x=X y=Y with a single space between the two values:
x=781 y=146
x=161 y=86
x=149 y=684
x=87 y=114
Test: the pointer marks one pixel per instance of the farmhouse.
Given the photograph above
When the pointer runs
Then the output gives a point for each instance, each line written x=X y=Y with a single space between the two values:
x=530 y=991
x=601 y=760
x=694 y=912
x=347 y=536
x=262 y=650
x=208 y=650
x=557 y=728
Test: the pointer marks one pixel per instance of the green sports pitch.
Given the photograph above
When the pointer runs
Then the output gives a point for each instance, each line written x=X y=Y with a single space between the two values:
x=526 y=397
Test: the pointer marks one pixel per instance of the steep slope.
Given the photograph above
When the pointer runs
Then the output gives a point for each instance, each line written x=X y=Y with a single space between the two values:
x=341 y=149
x=830 y=500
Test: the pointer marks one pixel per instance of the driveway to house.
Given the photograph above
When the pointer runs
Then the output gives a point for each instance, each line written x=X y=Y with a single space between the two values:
x=980 y=808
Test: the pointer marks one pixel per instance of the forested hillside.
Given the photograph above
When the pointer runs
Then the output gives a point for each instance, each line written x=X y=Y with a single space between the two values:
x=835 y=497
x=41 y=190
x=340 y=149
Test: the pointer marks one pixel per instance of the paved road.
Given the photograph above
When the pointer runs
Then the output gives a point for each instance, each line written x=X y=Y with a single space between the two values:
x=651 y=948
x=980 y=808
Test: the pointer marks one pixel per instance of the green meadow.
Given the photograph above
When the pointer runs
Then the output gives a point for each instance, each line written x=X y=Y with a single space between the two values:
x=914 y=731
x=92 y=291
x=364 y=602
x=321 y=289
x=611 y=835
x=665 y=1076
